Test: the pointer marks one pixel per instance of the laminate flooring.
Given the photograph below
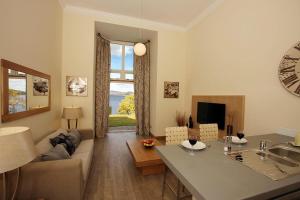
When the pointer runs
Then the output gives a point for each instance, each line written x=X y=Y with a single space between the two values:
x=113 y=175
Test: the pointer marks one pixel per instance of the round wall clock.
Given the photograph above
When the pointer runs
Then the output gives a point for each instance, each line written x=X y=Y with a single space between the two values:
x=289 y=70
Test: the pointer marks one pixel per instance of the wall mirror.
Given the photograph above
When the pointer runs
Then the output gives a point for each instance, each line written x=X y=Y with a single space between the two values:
x=25 y=91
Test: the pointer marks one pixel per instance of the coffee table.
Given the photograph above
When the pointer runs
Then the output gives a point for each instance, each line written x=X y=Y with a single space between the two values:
x=145 y=159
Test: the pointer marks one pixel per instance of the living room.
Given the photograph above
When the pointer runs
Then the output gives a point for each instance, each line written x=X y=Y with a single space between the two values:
x=210 y=48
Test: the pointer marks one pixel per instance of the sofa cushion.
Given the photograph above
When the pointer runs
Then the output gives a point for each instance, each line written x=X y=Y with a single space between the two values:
x=57 y=153
x=85 y=153
x=44 y=145
x=85 y=146
x=75 y=137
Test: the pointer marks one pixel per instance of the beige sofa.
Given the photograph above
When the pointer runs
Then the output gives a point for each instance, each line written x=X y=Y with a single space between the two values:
x=60 y=179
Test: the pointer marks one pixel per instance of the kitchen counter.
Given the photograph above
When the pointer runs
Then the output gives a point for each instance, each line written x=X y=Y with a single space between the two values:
x=209 y=174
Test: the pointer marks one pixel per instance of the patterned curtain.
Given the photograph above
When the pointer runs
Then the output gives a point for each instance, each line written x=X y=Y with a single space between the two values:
x=142 y=91
x=102 y=86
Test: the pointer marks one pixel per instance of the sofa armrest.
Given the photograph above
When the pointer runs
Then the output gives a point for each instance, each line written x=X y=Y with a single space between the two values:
x=60 y=180
x=86 y=134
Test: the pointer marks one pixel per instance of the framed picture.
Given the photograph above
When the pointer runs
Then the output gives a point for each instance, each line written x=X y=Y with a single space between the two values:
x=171 y=89
x=40 y=86
x=76 y=86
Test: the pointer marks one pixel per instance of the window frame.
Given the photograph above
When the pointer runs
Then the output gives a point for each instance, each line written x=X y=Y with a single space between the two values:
x=122 y=71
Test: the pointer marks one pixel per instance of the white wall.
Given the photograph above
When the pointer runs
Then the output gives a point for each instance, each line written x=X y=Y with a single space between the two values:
x=78 y=59
x=171 y=66
x=31 y=35
x=237 y=50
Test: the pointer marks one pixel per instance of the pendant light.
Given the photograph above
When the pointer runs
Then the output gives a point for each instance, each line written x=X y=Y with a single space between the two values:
x=139 y=48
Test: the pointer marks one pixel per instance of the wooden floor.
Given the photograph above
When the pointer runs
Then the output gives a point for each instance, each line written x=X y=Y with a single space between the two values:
x=113 y=175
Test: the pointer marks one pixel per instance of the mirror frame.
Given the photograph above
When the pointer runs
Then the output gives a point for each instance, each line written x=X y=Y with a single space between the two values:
x=5 y=115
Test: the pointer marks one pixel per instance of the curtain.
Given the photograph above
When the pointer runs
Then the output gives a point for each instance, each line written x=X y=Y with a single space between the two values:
x=142 y=92
x=102 y=79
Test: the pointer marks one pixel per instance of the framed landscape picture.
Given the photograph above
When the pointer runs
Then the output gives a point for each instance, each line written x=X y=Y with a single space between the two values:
x=171 y=89
x=76 y=86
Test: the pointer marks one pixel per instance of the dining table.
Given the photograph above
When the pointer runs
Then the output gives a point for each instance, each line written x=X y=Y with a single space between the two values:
x=211 y=174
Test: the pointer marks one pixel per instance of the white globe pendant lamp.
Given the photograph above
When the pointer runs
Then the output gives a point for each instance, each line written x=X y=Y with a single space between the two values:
x=139 y=49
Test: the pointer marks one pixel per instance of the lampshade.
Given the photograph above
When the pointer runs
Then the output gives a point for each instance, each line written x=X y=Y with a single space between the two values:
x=72 y=113
x=16 y=148
x=139 y=49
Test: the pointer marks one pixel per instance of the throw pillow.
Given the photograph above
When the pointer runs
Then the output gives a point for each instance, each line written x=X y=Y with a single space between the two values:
x=65 y=140
x=57 y=153
x=57 y=140
x=75 y=137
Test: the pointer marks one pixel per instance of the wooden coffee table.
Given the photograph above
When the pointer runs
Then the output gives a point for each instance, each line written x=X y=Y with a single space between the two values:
x=146 y=160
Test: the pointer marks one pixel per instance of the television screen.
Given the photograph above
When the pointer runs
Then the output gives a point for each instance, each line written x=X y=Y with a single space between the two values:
x=208 y=113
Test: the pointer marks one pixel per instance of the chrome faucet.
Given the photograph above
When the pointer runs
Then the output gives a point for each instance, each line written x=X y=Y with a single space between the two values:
x=227 y=143
x=263 y=144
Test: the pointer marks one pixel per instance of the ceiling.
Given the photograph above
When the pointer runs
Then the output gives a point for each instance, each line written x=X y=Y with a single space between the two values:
x=174 y=12
x=115 y=32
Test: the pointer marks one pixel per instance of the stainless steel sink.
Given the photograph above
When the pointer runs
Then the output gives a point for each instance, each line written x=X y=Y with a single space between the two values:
x=277 y=163
x=286 y=152
x=277 y=159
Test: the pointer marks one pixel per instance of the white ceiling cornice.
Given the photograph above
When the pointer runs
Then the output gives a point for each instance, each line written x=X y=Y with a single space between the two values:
x=137 y=22
x=62 y=3
x=204 y=14
x=123 y=19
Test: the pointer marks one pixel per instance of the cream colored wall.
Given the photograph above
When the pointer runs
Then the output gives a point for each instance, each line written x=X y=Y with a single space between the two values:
x=31 y=35
x=237 y=50
x=171 y=66
x=78 y=59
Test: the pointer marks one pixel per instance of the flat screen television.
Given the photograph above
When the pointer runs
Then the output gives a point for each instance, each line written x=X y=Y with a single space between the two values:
x=208 y=113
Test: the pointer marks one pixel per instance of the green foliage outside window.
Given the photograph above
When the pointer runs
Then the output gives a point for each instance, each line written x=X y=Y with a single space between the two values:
x=126 y=106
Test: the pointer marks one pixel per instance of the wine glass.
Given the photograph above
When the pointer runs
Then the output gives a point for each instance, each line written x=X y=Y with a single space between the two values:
x=240 y=135
x=193 y=140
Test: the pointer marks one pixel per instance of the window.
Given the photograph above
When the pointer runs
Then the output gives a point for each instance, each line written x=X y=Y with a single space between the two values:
x=121 y=99
x=121 y=62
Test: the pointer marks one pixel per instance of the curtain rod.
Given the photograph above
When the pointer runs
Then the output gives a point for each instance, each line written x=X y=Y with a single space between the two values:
x=99 y=35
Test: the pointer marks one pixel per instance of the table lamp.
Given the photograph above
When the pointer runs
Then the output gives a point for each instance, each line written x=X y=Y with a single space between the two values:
x=16 y=150
x=72 y=113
